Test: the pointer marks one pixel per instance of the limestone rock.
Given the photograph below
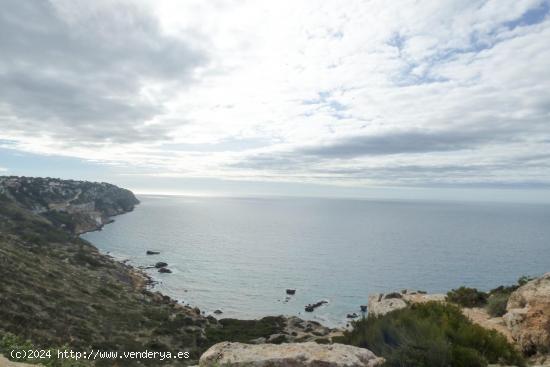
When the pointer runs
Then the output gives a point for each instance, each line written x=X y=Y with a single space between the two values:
x=288 y=355
x=378 y=305
x=528 y=315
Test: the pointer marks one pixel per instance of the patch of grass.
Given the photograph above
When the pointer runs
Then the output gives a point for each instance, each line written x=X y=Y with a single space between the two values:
x=431 y=335
x=467 y=297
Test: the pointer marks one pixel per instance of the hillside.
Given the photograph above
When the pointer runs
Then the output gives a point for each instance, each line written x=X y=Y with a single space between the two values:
x=57 y=289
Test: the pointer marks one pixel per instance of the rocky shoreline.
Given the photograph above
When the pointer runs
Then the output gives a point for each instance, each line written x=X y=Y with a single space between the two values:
x=42 y=218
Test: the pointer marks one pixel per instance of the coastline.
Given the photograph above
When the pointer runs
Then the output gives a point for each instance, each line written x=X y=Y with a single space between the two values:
x=79 y=293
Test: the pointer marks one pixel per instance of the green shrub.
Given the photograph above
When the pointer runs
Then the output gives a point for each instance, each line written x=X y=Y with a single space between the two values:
x=496 y=304
x=524 y=279
x=431 y=335
x=467 y=297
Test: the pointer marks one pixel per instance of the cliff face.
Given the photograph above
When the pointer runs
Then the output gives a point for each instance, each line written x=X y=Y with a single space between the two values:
x=78 y=206
x=528 y=315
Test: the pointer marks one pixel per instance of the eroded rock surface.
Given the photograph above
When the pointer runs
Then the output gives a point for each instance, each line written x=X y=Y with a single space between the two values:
x=380 y=304
x=288 y=355
x=528 y=315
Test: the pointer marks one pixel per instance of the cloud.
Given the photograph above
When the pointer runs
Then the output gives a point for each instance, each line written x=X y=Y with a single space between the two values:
x=397 y=142
x=363 y=93
x=77 y=70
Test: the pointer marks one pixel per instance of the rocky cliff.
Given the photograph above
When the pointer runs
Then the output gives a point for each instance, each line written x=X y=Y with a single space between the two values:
x=528 y=315
x=78 y=206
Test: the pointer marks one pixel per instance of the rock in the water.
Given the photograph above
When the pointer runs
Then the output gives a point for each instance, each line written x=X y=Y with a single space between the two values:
x=528 y=315
x=149 y=252
x=291 y=291
x=218 y=312
x=286 y=355
x=312 y=306
x=164 y=270
x=352 y=315
x=161 y=264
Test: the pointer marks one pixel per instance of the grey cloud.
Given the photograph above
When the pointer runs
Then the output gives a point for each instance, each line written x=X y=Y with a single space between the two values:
x=400 y=142
x=72 y=75
x=324 y=163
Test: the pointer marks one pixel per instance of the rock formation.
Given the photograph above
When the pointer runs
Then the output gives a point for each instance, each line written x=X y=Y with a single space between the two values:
x=287 y=355
x=528 y=315
x=380 y=304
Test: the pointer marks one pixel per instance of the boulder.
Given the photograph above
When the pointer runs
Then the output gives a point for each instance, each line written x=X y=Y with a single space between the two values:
x=164 y=270
x=528 y=315
x=291 y=291
x=161 y=264
x=149 y=252
x=288 y=355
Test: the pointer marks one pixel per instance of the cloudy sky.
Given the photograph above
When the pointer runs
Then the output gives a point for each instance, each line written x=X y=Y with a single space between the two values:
x=367 y=98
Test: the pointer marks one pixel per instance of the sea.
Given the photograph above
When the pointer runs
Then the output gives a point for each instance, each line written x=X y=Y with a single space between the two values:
x=239 y=255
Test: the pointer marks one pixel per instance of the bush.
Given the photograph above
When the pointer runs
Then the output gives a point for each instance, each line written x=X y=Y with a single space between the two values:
x=524 y=279
x=431 y=334
x=467 y=297
x=496 y=304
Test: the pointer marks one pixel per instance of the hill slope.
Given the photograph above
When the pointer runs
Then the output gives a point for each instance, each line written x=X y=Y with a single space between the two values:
x=57 y=289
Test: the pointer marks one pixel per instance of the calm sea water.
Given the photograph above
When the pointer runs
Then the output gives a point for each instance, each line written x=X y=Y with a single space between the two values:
x=240 y=254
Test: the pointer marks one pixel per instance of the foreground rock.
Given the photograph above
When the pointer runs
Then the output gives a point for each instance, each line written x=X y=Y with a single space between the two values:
x=528 y=315
x=288 y=355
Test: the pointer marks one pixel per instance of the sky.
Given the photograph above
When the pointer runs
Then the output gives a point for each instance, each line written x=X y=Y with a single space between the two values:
x=401 y=99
